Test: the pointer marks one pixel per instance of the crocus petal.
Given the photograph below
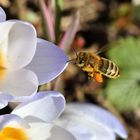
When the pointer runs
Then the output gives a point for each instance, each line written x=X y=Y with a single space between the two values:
x=43 y=131
x=106 y=118
x=60 y=133
x=19 y=83
x=49 y=61
x=94 y=114
x=35 y=130
x=4 y=99
x=2 y=15
x=45 y=106
x=5 y=28
x=18 y=43
x=83 y=127
x=11 y=119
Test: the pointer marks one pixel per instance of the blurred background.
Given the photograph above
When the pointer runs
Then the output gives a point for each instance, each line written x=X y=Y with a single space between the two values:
x=111 y=27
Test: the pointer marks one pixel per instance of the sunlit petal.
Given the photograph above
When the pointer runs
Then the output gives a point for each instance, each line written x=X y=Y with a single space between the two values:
x=5 y=28
x=43 y=131
x=21 y=44
x=48 y=62
x=18 y=43
x=19 y=83
x=46 y=106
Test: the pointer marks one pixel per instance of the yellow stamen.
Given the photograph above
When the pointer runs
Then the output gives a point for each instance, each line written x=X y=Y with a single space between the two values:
x=10 y=133
x=2 y=64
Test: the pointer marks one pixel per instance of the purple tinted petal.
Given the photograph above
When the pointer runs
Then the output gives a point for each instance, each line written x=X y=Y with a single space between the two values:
x=4 y=99
x=48 y=62
x=2 y=15
x=102 y=116
x=46 y=106
x=84 y=127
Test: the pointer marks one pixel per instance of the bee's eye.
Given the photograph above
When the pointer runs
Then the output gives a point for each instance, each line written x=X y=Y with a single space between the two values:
x=81 y=61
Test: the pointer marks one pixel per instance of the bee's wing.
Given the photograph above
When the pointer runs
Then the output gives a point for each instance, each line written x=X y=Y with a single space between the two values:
x=98 y=77
x=103 y=49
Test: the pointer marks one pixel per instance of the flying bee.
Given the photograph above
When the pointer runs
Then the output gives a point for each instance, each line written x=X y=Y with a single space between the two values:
x=96 y=66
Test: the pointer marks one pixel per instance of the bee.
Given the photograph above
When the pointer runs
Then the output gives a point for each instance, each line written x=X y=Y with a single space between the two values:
x=96 y=66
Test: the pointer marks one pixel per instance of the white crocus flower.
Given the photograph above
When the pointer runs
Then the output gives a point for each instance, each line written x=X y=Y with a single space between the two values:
x=90 y=122
x=33 y=120
x=25 y=60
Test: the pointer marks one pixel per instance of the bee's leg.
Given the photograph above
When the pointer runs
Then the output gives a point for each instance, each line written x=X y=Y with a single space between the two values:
x=98 y=77
x=88 y=69
x=91 y=74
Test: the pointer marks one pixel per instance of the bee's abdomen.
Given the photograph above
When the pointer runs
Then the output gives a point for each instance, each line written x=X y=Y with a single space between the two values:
x=108 y=68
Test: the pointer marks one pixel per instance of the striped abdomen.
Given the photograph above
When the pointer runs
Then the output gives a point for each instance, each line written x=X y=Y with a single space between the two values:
x=108 y=68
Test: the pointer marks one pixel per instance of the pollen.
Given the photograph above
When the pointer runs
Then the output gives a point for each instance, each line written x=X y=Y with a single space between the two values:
x=2 y=65
x=10 y=133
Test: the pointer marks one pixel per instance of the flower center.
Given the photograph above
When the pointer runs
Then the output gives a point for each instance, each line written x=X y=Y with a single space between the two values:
x=2 y=68
x=10 y=133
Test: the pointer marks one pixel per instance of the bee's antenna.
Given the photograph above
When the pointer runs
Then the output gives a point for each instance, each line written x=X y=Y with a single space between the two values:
x=75 y=52
x=71 y=60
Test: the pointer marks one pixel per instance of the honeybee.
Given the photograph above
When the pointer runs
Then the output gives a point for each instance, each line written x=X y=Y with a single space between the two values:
x=96 y=66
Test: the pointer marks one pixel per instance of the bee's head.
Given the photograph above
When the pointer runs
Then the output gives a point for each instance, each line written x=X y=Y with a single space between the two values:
x=81 y=58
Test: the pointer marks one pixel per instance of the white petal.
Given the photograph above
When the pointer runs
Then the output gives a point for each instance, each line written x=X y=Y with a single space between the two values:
x=19 y=84
x=49 y=61
x=83 y=127
x=2 y=15
x=5 y=99
x=46 y=106
x=12 y=120
x=100 y=116
x=107 y=118
x=39 y=131
x=35 y=130
x=44 y=131
x=5 y=28
x=61 y=134
x=18 y=41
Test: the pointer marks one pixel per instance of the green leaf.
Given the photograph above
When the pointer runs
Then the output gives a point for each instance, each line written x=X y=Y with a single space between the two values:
x=124 y=92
